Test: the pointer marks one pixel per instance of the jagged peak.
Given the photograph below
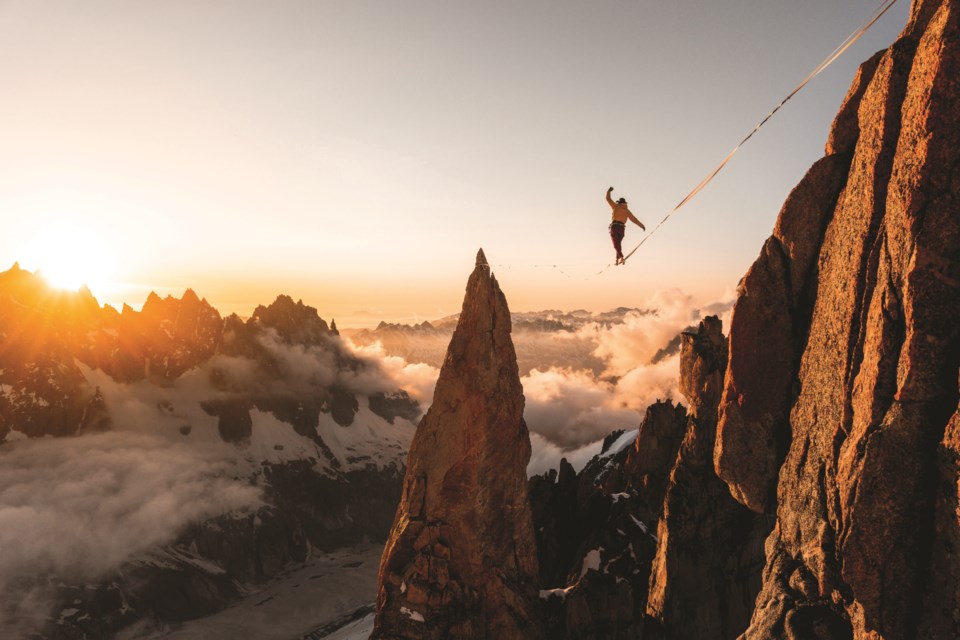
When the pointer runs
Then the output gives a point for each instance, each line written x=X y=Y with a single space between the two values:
x=474 y=441
x=484 y=305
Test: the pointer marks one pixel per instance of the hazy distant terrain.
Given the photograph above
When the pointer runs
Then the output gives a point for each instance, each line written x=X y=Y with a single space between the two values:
x=584 y=373
x=157 y=466
x=543 y=339
x=202 y=464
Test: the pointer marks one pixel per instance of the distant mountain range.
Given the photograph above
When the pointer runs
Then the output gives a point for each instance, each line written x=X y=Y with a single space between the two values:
x=543 y=339
x=316 y=433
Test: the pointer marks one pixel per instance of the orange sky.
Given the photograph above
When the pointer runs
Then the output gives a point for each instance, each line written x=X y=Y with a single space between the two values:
x=357 y=154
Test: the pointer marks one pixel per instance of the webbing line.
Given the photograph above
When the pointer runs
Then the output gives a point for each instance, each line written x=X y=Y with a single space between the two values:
x=839 y=51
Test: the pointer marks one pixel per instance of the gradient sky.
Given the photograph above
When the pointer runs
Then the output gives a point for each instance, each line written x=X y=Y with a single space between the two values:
x=356 y=154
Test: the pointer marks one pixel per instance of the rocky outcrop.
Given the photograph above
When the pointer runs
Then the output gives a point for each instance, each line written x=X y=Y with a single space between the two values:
x=294 y=322
x=653 y=453
x=605 y=574
x=709 y=556
x=42 y=390
x=461 y=559
x=765 y=338
x=177 y=335
x=595 y=539
x=839 y=404
x=941 y=597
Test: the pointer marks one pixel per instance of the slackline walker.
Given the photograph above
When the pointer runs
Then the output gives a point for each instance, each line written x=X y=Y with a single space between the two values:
x=839 y=51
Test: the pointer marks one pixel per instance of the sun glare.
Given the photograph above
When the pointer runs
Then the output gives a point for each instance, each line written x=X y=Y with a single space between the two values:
x=69 y=257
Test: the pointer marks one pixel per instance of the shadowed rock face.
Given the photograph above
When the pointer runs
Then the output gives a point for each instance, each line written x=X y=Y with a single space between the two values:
x=839 y=406
x=461 y=560
x=709 y=556
x=605 y=574
x=654 y=451
x=595 y=531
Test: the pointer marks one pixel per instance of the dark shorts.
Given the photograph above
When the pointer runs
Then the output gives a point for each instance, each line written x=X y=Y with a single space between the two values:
x=617 y=229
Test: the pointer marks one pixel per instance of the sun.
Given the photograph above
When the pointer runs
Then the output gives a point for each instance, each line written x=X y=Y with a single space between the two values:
x=69 y=257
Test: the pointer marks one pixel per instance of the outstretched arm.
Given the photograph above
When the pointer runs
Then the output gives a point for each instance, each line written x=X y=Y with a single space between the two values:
x=635 y=221
x=609 y=199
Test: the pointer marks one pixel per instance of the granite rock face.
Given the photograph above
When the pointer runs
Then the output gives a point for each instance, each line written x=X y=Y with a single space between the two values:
x=709 y=555
x=839 y=406
x=461 y=559
x=653 y=453
x=646 y=541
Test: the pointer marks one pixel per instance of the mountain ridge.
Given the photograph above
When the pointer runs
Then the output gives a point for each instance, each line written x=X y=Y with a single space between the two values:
x=277 y=402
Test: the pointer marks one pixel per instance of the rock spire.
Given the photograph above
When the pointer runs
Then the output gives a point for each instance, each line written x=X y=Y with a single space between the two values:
x=709 y=557
x=461 y=559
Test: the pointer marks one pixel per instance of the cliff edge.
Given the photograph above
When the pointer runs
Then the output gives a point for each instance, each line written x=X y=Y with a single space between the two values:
x=839 y=410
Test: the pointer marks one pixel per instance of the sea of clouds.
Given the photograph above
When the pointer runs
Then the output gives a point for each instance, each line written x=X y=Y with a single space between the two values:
x=76 y=509
x=572 y=402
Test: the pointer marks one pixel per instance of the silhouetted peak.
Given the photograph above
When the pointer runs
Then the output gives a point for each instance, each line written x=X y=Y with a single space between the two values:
x=294 y=321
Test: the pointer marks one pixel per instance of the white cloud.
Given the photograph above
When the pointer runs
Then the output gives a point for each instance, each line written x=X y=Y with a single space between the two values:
x=636 y=341
x=79 y=507
x=584 y=384
x=572 y=408
x=417 y=378
x=75 y=509
x=641 y=386
x=546 y=455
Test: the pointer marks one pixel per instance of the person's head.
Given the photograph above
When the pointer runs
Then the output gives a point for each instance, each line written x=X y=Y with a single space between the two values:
x=622 y=201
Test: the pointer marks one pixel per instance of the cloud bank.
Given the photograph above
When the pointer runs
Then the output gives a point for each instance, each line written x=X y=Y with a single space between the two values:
x=75 y=509
x=583 y=383
x=79 y=507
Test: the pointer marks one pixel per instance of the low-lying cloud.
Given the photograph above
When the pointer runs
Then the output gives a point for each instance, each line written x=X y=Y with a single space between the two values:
x=77 y=508
x=296 y=369
x=546 y=455
x=572 y=408
x=585 y=383
x=416 y=378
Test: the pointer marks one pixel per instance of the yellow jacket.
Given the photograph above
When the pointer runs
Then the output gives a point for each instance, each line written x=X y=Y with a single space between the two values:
x=621 y=213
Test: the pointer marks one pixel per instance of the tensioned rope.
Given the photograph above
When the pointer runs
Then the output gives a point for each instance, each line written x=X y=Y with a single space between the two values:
x=839 y=51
